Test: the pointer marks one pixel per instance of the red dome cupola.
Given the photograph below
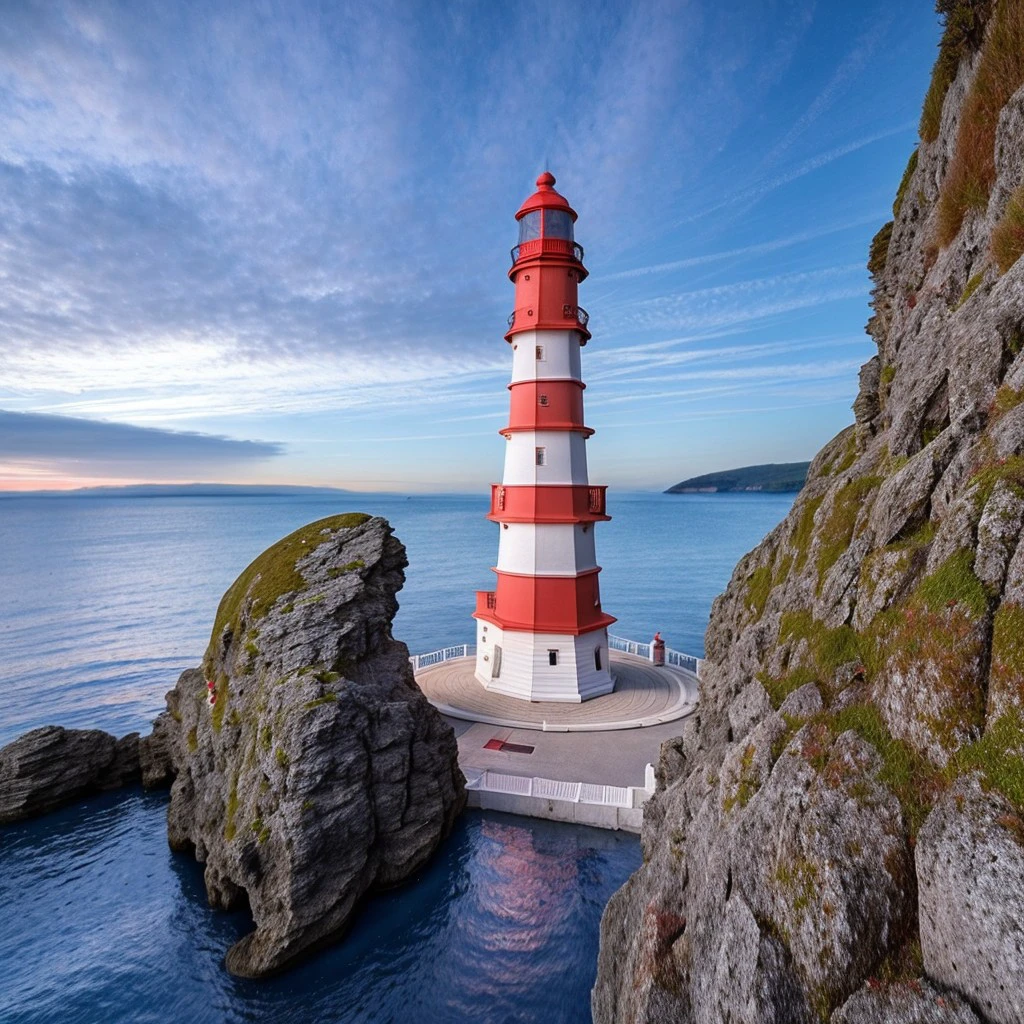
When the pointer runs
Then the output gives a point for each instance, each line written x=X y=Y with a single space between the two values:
x=547 y=265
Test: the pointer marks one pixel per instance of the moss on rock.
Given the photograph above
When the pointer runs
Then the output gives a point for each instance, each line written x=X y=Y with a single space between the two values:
x=274 y=574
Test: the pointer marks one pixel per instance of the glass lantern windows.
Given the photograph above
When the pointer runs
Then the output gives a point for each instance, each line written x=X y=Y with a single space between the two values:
x=558 y=224
x=529 y=227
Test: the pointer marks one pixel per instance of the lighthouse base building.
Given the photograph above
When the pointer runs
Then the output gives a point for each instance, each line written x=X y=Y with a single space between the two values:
x=541 y=633
x=527 y=670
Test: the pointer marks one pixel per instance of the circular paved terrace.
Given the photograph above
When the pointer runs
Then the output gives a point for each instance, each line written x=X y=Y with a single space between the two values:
x=643 y=696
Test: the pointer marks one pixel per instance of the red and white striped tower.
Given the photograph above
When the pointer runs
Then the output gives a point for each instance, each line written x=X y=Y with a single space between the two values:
x=541 y=633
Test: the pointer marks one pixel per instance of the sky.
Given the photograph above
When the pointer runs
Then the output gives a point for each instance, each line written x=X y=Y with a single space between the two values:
x=268 y=242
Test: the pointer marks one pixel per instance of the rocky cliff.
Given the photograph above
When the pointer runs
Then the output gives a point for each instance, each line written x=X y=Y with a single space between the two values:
x=838 y=834
x=319 y=771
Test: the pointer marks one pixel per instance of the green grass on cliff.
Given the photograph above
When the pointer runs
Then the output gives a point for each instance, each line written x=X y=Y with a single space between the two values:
x=969 y=289
x=836 y=532
x=804 y=530
x=274 y=573
x=912 y=778
x=878 y=255
x=986 y=477
x=954 y=584
x=998 y=756
x=829 y=648
x=901 y=192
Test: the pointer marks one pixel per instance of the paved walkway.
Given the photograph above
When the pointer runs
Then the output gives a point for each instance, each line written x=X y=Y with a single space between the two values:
x=607 y=758
x=644 y=696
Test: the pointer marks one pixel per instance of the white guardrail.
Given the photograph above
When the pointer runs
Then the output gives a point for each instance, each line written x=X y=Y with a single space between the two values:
x=444 y=654
x=677 y=659
x=552 y=789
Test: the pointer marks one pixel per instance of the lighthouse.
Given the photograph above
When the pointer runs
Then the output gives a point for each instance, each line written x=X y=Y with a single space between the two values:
x=541 y=633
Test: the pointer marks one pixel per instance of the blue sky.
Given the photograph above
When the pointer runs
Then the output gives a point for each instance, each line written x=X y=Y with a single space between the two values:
x=268 y=242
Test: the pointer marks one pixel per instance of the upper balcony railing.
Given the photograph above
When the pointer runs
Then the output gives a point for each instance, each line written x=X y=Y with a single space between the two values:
x=569 y=312
x=577 y=313
x=553 y=503
x=537 y=245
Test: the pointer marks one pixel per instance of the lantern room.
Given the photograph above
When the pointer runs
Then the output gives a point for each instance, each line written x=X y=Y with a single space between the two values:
x=547 y=266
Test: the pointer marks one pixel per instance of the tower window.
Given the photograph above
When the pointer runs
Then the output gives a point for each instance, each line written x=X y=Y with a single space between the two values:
x=541 y=456
x=542 y=399
x=540 y=353
x=597 y=658
x=552 y=657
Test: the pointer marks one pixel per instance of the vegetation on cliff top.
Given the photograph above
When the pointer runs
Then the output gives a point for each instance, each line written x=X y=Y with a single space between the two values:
x=963 y=28
x=274 y=573
x=972 y=170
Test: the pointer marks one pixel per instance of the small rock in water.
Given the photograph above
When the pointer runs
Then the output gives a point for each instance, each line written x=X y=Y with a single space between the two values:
x=52 y=766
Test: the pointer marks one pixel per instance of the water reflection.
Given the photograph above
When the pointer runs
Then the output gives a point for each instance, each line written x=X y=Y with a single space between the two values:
x=100 y=921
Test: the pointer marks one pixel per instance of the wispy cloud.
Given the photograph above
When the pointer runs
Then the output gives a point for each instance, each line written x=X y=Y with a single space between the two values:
x=740 y=201
x=756 y=249
x=844 y=75
x=80 y=447
x=295 y=220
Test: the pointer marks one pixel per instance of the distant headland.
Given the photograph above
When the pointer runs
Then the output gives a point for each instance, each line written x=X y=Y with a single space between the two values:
x=776 y=477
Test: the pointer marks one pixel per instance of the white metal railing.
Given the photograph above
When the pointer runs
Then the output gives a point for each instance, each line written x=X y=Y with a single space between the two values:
x=678 y=659
x=554 y=789
x=684 y=661
x=444 y=654
x=620 y=643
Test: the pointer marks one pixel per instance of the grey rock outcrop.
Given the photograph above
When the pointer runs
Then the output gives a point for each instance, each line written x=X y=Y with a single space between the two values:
x=913 y=1003
x=321 y=771
x=970 y=870
x=49 y=767
x=156 y=753
x=839 y=821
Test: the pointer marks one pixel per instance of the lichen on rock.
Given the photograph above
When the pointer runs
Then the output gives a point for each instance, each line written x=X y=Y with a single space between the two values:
x=320 y=772
x=858 y=751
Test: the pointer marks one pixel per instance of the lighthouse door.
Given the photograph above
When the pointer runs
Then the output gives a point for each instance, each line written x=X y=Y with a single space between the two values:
x=496 y=663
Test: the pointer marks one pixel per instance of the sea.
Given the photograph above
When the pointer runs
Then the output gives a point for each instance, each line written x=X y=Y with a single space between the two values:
x=104 y=601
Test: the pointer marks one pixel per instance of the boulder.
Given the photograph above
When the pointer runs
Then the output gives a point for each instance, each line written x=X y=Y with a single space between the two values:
x=970 y=876
x=52 y=766
x=319 y=771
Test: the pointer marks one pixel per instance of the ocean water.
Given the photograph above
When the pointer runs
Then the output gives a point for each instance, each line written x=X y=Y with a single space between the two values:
x=104 y=601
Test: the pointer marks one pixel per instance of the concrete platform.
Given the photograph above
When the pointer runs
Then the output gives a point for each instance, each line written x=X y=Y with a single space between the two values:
x=644 y=697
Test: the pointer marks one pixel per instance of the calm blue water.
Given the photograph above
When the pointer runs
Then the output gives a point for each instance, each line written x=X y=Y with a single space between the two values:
x=104 y=601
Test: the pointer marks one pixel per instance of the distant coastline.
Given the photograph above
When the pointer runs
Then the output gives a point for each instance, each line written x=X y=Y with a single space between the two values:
x=180 y=491
x=775 y=477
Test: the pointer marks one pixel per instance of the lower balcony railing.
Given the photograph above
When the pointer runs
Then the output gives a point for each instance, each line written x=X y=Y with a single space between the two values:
x=677 y=659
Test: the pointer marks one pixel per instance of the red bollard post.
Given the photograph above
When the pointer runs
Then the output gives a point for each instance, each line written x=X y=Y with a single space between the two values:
x=658 y=650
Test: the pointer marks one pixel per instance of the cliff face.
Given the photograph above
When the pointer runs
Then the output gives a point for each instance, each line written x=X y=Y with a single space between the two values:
x=837 y=835
x=320 y=771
